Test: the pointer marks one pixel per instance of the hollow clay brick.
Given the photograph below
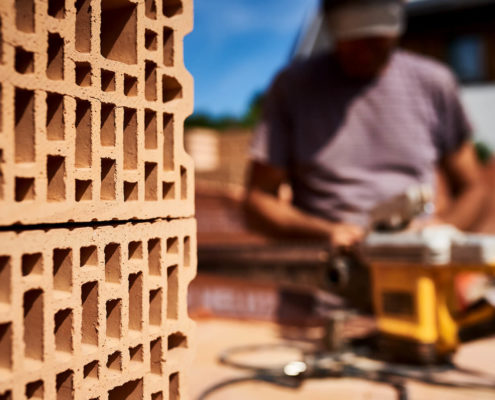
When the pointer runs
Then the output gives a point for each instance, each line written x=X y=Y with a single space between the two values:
x=93 y=96
x=96 y=313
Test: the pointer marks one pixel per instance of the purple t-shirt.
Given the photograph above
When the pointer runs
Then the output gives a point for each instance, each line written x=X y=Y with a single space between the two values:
x=348 y=145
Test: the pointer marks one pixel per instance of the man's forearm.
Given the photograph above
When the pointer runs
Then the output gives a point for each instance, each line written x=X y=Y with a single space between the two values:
x=464 y=172
x=466 y=208
x=270 y=213
x=284 y=218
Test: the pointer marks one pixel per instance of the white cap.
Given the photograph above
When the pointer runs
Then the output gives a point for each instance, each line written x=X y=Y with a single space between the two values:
x=365 y=19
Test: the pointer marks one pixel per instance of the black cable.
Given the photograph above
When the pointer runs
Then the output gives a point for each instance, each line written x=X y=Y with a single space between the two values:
x=401 y=390
x=279 y=381
x=225 y=383
x=391 y=374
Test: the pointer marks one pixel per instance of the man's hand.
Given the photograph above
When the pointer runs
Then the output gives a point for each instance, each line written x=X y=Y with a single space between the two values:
x=345 y=235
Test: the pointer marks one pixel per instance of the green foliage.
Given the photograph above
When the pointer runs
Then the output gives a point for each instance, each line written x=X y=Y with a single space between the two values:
x=483 y=151
x=247 y=121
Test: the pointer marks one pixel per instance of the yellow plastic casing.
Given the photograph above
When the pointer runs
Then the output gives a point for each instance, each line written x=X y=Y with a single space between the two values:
x=412 y=303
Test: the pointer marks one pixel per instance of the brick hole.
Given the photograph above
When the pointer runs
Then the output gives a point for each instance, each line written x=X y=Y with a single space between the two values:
x=7 y=395
x=114 y=361
x=65 y=385
x=88 y=256
x=108 y=177
x=157 y=396
x=168 y=190
x=83 y=26
x=168 y=47
x=173 y=245
x=91 y=370
x=114 y=317
x=176 y=340
x=150 y=40
x=55 y=61
x=24 y=189
x=107 y=80
x=83 y=74
x=56 y=8
x=89 y=323
x=6 y=346
x=155 y=310
x=150 y=9
x=154 y=257
x=136 y=354
x=84 y=190
x=5 y=280
x=172 y=7
x=107 y=125
x=128 y=391
x=150 y=181
x=168 y=142
x=55 y=124
x=83 y=134
x=173 y=386
x=112 y=263
x=156 y=356
x=33 y=324
x=130 y=139
x=130 y=85
x=32 y=264
x=24 y=15
x=119 y=31
x=187 y=251
x=130 y=191
x=172 y=292
x=150 y=81
x=62 y=269
x=55 y=174
x=24 y=61
x=183 y=183
x=35 y=390
x=63 y=331
x=135 y=250
x=24 y=126
x=150 y=130
x=135 y=301
x=172 y=90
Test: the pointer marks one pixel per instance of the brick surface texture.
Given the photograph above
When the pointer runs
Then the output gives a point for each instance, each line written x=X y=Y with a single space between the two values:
x=93 y=96
x=96 y=313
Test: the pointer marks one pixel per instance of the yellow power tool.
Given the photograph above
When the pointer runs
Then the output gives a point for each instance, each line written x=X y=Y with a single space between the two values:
x=412 y=288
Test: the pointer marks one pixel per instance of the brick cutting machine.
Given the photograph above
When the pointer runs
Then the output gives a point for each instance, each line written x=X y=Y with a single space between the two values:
x=412 y=276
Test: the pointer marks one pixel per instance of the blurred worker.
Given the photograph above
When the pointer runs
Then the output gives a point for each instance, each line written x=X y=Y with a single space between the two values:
x=355 y=127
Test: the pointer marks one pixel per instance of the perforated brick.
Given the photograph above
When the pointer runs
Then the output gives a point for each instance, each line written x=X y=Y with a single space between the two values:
x=96 y=313
x=93 y=96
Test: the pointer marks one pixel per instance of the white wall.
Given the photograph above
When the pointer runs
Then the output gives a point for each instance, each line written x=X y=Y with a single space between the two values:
x=480 y=106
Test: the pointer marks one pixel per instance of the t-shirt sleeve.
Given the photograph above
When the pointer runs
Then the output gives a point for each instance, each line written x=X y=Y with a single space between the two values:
x=270 y=144
x=454 y=128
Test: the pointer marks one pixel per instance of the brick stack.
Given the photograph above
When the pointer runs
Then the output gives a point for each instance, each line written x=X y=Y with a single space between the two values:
x=93 y=96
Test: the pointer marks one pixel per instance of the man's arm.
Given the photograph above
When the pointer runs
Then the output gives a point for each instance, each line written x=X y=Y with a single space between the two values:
x=465 y=178
x=274 y=214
